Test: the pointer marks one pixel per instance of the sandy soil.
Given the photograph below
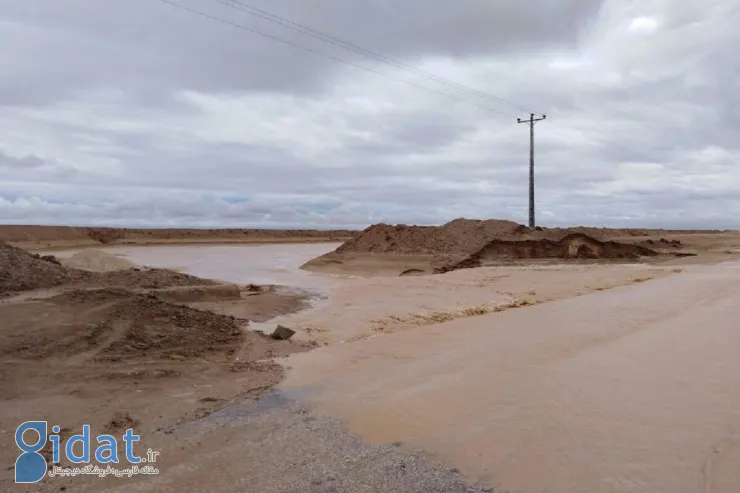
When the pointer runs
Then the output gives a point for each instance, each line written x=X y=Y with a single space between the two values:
x=103 y=357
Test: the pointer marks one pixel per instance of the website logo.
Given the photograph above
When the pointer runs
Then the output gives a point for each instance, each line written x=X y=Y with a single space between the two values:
x=31 y=466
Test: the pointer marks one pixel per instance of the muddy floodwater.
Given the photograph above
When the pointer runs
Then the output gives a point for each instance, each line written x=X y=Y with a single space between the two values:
x=598 y=379
x=259 y=264
x=636 y=389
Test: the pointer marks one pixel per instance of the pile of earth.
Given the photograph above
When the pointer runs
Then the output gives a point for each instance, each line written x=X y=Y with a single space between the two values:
x=112 y=324
x=23 y=271
x=468 y=242
x=460 y=235
x=468 y=236
x=575 y=246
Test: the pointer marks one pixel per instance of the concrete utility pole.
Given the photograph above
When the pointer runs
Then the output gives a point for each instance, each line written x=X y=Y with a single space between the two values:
x=532 y=120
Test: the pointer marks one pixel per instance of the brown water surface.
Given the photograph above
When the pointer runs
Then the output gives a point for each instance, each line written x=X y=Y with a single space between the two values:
x=259 y=264
x=636 y=389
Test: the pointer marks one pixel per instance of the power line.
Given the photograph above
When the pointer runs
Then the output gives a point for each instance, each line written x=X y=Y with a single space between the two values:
x=336 y=41
x=325 y=55
x=314 y=33
x=333 y=40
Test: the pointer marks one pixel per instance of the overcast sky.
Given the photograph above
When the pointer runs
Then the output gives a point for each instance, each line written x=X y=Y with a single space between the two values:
x=137 y=113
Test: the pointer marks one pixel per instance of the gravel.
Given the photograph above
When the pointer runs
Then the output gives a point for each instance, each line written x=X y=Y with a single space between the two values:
x=341 y=462
x=276 y=446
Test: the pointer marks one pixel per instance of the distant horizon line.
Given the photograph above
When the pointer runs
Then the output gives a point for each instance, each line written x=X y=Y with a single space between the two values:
x=339 y=229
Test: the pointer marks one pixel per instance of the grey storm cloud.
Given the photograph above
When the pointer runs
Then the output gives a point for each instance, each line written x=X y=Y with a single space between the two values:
x=21 y=163
x=142 y=113
x=149 y=47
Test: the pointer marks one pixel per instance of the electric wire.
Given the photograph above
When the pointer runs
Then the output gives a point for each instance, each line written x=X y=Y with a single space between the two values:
x=329 y=56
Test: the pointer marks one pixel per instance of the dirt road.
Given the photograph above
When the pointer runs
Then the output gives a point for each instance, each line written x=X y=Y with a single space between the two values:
x=630 y=390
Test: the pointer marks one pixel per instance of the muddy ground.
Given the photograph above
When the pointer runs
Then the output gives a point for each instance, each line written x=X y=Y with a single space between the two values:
x=147 y=348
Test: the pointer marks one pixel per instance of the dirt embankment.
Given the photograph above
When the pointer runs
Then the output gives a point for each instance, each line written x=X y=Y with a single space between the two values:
x=38 y=237
x=23 y=271
x=469 y=236
x=574 y=246
x=465 y=242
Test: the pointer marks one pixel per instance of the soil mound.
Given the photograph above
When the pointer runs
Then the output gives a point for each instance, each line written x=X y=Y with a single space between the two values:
x=23 y=271
x=20 y=271
x=97 y=261
x=469 y=237
x=112 y=325
x=574 y=246
x=460 y=235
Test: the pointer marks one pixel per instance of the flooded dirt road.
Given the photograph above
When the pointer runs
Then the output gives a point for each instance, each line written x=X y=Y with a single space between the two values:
x=636 y=389
x=596 y=388
x=359 y=308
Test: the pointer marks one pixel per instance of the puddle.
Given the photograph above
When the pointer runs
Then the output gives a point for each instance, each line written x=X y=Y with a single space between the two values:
x=271 y=401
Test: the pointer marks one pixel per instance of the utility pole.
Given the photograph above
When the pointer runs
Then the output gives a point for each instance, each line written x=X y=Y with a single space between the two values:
x=531 y=121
